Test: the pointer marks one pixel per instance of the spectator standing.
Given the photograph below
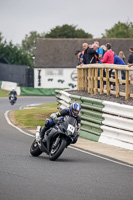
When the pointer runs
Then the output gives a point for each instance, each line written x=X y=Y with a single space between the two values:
x=104 y=49
x=79 y=55
x=90 y=55
x=120 y=61
x=85 y=49
x=121 y=55
x=109 y=55
x=108 y=58
x=99 y=50
x=130 y=62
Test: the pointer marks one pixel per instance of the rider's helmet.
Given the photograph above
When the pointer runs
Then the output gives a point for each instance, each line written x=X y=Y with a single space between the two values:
x=13 y=89
x=75 y=109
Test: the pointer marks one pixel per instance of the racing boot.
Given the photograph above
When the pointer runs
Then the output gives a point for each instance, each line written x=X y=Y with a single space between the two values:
x=38 y=137
x=43 y=135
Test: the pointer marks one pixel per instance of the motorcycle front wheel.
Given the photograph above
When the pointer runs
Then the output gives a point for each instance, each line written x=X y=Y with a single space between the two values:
x=58 y=150
x=34 y=149
x=12 y=102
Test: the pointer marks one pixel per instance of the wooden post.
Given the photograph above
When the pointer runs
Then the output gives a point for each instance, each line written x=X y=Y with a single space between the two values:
x=78 y=73
x=92 y=81
x=85 y=80
x=82 y=79
x=107 y=81
x=96 y=81
x=101 y=81
x=127 y=86
x=116 y=83
x=89 y=80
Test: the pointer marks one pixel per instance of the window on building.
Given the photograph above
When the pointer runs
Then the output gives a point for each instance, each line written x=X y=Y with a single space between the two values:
x=54 y=72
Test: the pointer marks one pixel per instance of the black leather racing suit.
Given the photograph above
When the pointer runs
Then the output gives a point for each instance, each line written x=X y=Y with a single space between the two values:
x=50 y=123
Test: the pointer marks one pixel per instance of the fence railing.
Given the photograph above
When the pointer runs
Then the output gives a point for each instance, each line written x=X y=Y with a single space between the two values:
x=88 y=79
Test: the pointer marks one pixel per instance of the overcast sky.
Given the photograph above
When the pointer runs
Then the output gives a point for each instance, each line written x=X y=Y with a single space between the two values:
x=19 y=17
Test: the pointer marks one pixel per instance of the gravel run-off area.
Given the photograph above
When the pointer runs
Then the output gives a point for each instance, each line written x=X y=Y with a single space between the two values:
x=105 y=97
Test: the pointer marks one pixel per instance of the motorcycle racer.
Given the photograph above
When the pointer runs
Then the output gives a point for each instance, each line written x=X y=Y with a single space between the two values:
x=72 y=111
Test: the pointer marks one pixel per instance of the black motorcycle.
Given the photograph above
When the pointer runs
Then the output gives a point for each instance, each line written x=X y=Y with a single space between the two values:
x=12 y=99
x=57 y=138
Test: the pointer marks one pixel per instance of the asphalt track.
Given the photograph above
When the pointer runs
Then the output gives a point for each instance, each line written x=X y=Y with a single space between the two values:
x=75 y=175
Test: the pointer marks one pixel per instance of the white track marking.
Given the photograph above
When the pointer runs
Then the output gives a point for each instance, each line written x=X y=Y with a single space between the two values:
x=104 y=158
x=71 y=147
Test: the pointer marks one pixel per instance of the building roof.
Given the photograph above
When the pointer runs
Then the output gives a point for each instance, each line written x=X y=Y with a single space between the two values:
x=60 y=53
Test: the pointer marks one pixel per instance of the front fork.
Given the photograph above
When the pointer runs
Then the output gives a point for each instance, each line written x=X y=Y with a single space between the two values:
x=57 y=141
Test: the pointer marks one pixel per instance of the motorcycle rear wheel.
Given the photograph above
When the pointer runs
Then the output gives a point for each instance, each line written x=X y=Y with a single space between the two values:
x=34 y=149
x=56 y=152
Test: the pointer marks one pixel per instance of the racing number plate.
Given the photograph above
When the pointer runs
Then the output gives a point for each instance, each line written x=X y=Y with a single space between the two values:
x=71 y=128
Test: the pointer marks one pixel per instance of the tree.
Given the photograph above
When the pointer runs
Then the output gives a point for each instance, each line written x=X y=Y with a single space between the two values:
x=14 y=54
x=67 y=31
x=120 y=30
x=29 y=43
x=1 y=37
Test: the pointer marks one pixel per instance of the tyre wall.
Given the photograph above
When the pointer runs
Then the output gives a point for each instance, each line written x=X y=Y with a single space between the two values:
x=102 y=121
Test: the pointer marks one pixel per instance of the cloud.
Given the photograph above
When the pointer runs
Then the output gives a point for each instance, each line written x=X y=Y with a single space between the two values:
x=21 y=17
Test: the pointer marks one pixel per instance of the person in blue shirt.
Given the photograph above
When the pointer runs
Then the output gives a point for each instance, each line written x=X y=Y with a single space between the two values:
x=120 y=61
x=99 y=51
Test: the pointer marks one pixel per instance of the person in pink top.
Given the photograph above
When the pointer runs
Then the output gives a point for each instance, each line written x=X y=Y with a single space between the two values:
x=108 y=57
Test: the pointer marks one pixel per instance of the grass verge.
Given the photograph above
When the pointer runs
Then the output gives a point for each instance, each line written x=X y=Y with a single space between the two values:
x=4 y=93
x=31 y=118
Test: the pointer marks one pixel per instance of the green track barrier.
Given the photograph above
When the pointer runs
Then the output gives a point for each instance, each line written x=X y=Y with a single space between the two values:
x=27 y=91
x=0 y=83
x=92 y=106
x=75 y=98
x=89 y=136
x=90 y=130
x=92 y=113
x=91 y=116
x=96 y=131
x=90 y=124
x=92 y=119
x=91 y=103
x=91 y=100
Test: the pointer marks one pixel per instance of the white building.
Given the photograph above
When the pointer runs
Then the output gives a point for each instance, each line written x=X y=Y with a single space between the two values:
x=55 y=78
x=55 y=66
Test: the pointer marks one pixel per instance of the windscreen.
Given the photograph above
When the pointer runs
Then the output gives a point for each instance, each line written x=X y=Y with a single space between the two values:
x=68 y=121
